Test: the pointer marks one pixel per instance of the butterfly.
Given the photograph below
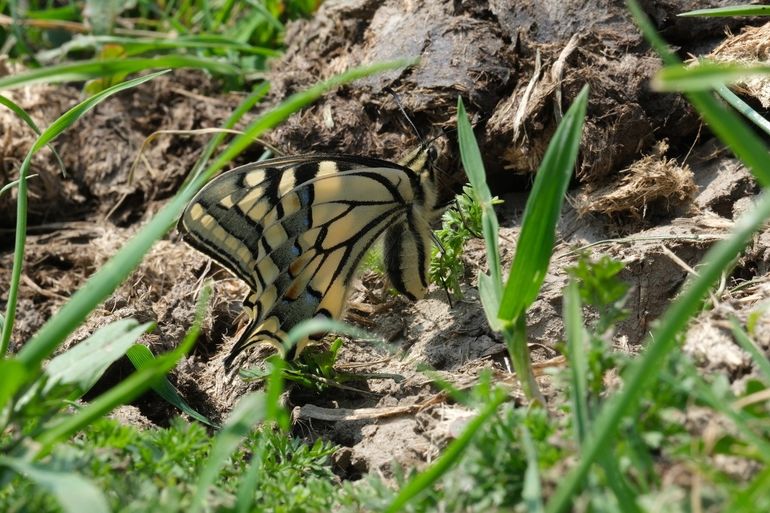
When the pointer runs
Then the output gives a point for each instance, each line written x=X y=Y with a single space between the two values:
x=296 y=228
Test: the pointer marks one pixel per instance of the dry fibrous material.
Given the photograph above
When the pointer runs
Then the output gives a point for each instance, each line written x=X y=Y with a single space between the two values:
x=749 y=47
x=653 y=180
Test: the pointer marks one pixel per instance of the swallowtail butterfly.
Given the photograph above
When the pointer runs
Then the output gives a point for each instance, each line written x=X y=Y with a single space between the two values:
x=296 y=228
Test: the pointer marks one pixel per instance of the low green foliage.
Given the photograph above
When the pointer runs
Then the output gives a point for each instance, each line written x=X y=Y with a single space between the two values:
x=160 y=468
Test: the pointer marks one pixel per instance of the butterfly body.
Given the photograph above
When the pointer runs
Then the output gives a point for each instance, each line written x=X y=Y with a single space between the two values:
x=296 y=228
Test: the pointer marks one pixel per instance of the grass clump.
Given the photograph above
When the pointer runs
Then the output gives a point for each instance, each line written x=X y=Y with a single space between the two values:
x=161 y=467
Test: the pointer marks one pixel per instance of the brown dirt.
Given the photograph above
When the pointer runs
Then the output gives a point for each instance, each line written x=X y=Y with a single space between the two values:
x=652 y=189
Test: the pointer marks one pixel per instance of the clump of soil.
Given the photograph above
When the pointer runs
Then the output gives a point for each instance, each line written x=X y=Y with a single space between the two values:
x=517 y=66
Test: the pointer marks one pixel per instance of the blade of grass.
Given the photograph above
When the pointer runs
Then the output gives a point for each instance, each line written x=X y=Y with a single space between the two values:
x=53 y=131
x=84 y=363
x=21 y=113
x=135 y=46
x=706 y=75
x=248 y=412
x=293 y=104
x=244 y=501
x=642 y=373
x=725 y=123
x=105 y=280
x=14 y=377
x=84 y=70
x=752 y=495
x=744 y=108
x=451 y=456
x=532 y=491
x=538 y=224
x=490 y=285
x=578 y=362
x=7 y=187
x=245 y=106
x=536 y=239
x=739 y=418
x=30 y=123
x=577 y=344
x=140 y=357
x=733 y=10
x=748 y=345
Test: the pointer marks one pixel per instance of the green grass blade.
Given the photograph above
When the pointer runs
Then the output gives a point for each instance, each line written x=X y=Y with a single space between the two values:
x=748 y=345
x=249 y=411
x=740 y=420
x=293 y=104
x=21 y=113
x=642 y=373
x=725 y=123
x=515 y=336
x=249 y=481
x=538 y=225
x=245 y=106
x=744 y=108
x=7 y=187
x=137 y=46
x=644 y=370
x=48 y=135
x=747 y=499
x=111 y=275
x=320 y=325
x=706 y=75
x=140 y=357
x=14 y=377
x=85 y=70
x=617 y=482
x=73 y=493
x=490 y=285
x=731 y=11
x=451 y=456
x=532 y=491
x=578 y=360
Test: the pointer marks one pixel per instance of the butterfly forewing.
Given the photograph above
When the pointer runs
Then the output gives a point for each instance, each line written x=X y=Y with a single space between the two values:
x=295 y=229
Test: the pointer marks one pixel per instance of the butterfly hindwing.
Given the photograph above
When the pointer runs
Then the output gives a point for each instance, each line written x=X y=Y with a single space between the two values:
x=295 y=229
x=407 y=248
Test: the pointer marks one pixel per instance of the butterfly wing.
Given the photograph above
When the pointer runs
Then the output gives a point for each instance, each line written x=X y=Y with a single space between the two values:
x=295 y=230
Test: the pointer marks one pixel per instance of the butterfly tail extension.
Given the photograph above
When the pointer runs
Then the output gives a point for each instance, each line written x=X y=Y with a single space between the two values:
x=253 y=335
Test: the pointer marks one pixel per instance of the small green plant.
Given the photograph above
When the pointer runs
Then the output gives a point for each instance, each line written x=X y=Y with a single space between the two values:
x=460 y=222
x=600 y=287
